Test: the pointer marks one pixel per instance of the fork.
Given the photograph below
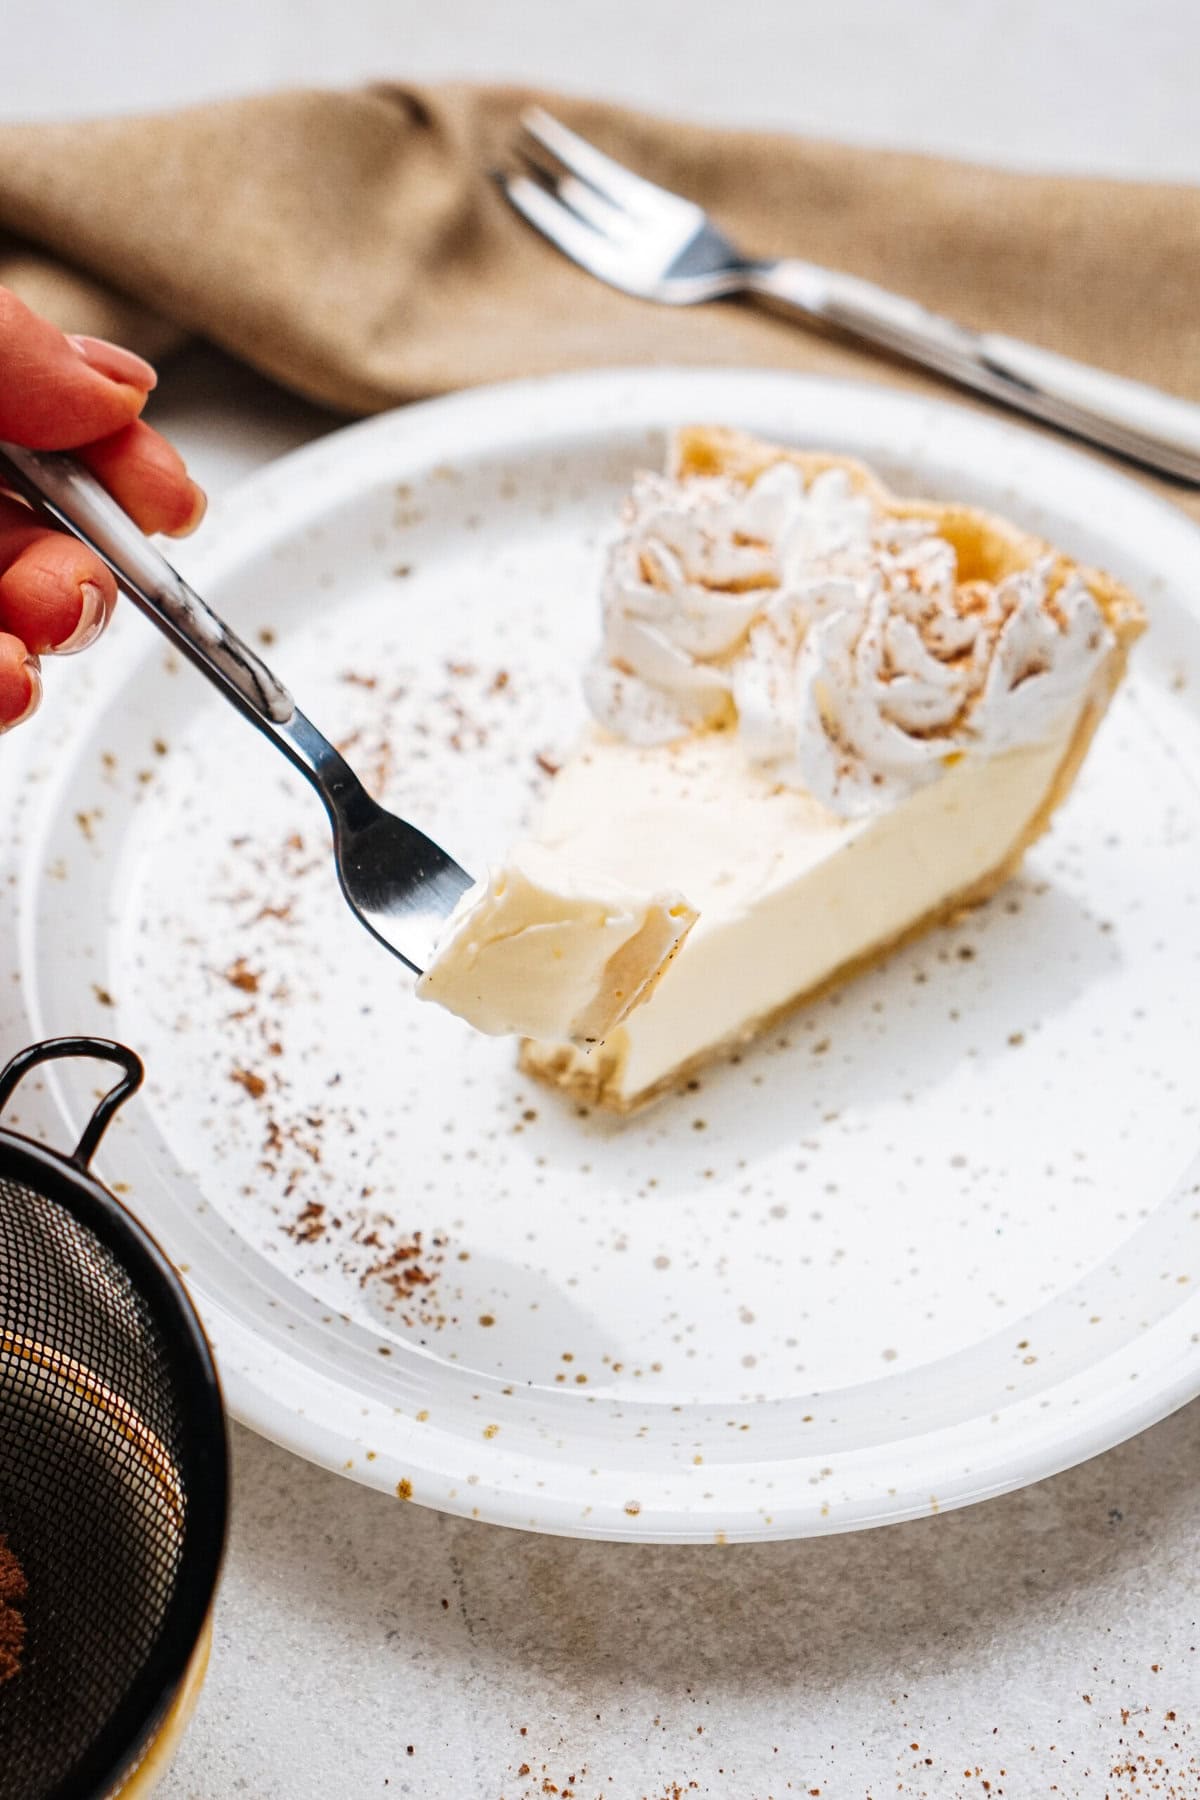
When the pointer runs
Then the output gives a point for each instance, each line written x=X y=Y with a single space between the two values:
x=656 y=245
x=397 y=882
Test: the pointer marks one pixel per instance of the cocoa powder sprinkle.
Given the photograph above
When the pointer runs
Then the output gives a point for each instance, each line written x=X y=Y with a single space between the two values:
x=13 y=1590
x=241 y=977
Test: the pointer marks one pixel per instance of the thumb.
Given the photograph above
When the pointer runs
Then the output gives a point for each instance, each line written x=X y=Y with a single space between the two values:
x=57 y=393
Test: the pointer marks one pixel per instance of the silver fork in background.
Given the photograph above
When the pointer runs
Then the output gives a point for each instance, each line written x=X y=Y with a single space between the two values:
x=656 y=245
x=399 y=883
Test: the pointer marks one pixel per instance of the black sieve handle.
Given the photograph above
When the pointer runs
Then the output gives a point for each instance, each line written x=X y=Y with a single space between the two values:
x=104 y=1050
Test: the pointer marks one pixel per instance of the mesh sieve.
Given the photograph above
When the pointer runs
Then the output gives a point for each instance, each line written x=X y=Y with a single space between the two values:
x=113 y=1472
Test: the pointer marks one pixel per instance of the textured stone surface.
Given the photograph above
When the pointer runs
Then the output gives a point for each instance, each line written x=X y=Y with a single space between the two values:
x=1007 y=1640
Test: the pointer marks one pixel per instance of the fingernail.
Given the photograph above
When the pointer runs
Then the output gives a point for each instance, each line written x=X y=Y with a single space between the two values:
x=199 y=508
x=34 y=669
x=116 y=362
x=91 y=621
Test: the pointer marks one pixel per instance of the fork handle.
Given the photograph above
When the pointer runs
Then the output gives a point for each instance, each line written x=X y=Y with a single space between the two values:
x=69 y=494
x=1154 y=428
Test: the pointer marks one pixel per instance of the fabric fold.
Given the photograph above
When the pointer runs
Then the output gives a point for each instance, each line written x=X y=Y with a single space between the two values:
x=353 y=246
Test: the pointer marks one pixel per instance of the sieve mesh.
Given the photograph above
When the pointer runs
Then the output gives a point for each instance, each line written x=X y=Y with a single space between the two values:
x=112 y=1477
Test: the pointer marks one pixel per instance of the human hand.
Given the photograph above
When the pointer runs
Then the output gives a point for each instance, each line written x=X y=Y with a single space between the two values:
x=82 y=395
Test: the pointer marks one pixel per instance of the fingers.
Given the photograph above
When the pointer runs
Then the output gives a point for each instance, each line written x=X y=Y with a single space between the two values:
x=55 y=595
x=55 y=393
x=116 y=362
x=80 y=393
x=147 y=476
x=20 y=683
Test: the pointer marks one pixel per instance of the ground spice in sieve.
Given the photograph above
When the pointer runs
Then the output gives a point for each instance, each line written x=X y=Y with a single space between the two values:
x=13 y=1589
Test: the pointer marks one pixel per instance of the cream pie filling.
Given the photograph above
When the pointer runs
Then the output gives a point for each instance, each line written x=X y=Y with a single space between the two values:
x=787 y=893
x=537 y=949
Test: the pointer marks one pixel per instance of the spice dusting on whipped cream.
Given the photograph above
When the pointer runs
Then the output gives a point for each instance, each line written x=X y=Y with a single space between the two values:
x=852 y=654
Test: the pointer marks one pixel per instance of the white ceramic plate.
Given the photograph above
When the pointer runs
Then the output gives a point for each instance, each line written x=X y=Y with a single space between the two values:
x=937 y=1239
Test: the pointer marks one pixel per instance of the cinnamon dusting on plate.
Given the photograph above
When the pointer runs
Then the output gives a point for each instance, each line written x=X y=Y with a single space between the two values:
x=13 y=1590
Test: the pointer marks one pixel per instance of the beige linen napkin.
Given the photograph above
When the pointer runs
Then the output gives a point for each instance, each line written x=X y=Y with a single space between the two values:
x=352 y=246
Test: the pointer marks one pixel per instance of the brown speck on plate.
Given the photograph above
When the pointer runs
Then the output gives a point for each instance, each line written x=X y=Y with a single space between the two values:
x=240 y=976
x=254 y=1084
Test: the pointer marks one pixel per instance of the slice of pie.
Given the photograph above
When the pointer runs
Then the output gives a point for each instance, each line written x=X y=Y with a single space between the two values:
x=826 y=718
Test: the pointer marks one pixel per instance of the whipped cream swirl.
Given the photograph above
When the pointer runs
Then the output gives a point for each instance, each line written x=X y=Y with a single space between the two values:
x=839 y=642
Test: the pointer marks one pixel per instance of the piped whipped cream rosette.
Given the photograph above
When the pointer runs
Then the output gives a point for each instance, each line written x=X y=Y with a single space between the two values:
x=840 y=642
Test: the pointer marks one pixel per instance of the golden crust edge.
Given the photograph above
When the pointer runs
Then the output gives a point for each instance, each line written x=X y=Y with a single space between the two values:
x=993 y=543
x=722 y=450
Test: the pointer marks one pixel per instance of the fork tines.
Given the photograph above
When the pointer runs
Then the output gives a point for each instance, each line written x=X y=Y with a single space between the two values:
x=551 y=148
x=613 y=223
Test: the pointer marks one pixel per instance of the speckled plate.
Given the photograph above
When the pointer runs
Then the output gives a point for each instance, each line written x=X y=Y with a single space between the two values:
x=936 y=1239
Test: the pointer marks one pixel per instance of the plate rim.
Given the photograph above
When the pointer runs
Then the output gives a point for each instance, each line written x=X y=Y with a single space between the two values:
x=565 y=400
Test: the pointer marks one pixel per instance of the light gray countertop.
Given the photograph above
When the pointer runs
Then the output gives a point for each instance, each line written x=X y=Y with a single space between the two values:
x=1045 y=1643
